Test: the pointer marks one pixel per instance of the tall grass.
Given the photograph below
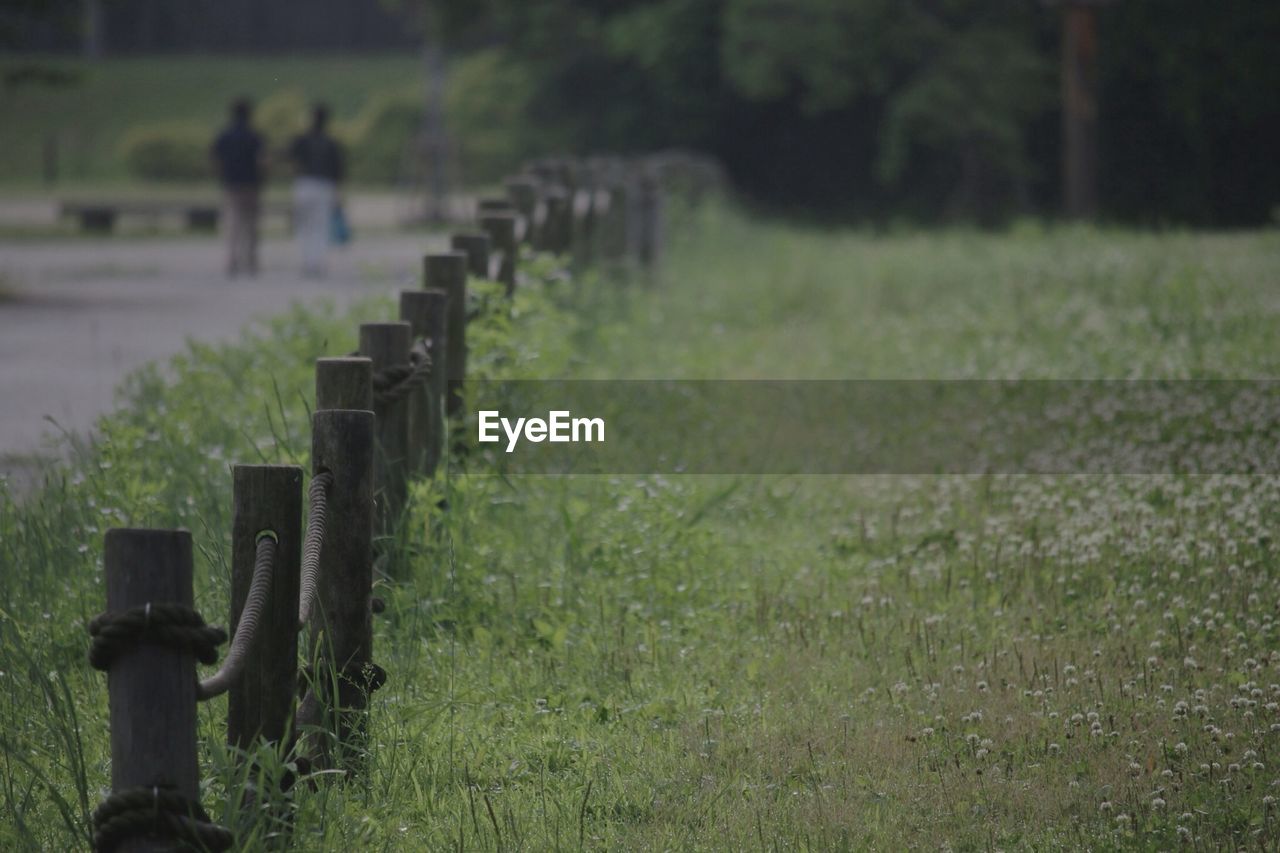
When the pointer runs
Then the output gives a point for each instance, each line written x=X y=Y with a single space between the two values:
x=739 y=663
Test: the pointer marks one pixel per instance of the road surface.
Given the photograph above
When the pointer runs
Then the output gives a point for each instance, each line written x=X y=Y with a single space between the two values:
x=76 y=316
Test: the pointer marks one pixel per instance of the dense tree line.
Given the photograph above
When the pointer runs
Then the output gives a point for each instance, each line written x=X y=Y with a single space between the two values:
x=929 y=108
x=872 y=108
x=206 y=26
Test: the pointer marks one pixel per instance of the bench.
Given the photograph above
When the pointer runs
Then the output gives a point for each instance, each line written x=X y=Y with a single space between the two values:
x=99 y=217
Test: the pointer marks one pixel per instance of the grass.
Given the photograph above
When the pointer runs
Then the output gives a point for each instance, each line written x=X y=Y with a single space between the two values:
x=741 y=663
x=102 y=100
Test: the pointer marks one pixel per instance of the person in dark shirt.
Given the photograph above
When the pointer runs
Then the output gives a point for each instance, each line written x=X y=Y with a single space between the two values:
x=318 y=169
x=239 y=154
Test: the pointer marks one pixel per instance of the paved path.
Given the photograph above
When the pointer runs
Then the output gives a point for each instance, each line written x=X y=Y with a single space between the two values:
x=85 y=313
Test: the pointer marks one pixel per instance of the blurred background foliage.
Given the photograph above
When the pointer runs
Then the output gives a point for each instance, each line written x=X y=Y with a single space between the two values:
x=874 y=109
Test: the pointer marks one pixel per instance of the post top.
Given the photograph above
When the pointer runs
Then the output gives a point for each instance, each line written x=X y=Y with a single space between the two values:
x=388 y=325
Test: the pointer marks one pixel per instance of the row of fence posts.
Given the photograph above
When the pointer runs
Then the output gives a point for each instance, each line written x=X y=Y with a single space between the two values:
x=381 y=416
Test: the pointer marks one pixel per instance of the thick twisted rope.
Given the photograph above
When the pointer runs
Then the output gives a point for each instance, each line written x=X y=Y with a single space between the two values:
x=157 y=812
x=318 y=498
x=172 y=626
x=393 y=383
x=250 y=617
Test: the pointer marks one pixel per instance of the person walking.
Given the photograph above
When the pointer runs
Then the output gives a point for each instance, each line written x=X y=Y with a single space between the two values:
x=239 y=155
x=318 y=169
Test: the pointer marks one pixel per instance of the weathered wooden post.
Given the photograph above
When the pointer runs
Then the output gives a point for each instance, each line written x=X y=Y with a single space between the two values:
x=494 y=205
x=476 y=248
x=268 y=500
x=501 y=228
x=582 y=217
x=555 y=232
x=425 y=312
x=523 y=191
x=341 y=636
x=447 y=271
x=613 y=227
x=344 y=383
x=151 y=694
x=651 y=217
x=388 y=345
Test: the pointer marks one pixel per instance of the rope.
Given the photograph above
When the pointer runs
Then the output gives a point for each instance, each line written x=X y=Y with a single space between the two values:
x=318 y=497
x=173 y=626
x=156 y=812
x=393 y=383
x=255 y=602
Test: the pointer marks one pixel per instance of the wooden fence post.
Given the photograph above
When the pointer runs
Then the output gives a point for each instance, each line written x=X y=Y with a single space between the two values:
x=651 y=216
x=151 y=689
x=613 y=224
x=260 y=703
x=523 y=192
x=583 y=220
x=341 y=636
x=501 y=228
x=344 y=383
x=494 y=205
x=425 y=312
x=555 y=232
x=476 y=248
x=447 y=271
x=388 y=345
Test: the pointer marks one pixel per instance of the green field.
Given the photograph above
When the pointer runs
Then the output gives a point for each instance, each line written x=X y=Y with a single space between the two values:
x=731 y=663
x=89 y=115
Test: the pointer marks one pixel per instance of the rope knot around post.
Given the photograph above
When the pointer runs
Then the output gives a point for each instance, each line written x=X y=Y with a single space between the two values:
x=157 y=812
x=172 y=626
x=393 y=383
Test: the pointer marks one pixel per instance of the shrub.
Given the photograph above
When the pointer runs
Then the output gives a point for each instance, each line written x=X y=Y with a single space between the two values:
x=486 y=115
x=167 y=151
x=487 y=110
x=281 y=117
x=380 y=139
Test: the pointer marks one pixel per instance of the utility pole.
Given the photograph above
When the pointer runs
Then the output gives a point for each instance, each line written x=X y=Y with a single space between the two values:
x=93 y=29
x=1080 y=107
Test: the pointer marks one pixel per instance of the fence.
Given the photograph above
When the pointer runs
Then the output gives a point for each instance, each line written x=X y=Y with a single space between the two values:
x=381 y=418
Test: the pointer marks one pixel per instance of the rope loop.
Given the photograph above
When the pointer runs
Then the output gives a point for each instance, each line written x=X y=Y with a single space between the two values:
x=318 y=500
x=250 y=618
x=172 y=626
x=159 y=813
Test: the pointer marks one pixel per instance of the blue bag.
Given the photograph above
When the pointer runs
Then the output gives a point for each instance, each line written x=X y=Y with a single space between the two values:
x=339 y=228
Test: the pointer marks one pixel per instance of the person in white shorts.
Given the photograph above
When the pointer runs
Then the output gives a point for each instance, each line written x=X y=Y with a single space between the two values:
x=318 y=168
